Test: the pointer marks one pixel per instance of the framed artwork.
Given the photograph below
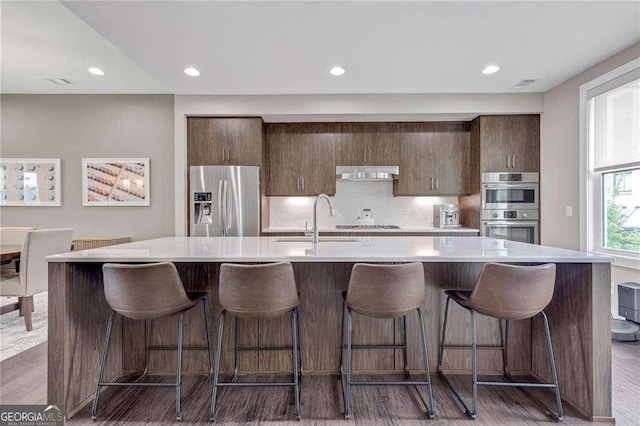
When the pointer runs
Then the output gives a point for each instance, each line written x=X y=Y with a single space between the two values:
x=115 y=182
x=30 y=182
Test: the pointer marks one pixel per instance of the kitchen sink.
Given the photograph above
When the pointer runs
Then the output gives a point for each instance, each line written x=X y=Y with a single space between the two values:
x=322 y=240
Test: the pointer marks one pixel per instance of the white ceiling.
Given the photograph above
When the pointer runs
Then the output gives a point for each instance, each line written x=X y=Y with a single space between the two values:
x=288 y=47
x=41 y=40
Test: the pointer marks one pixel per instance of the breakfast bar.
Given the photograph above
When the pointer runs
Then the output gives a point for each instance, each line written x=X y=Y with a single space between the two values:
x=578 y=314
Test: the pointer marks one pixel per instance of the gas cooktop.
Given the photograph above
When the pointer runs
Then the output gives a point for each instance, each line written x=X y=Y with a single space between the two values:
x=367 y=227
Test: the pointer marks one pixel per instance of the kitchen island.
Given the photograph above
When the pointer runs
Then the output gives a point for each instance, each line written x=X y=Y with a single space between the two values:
x=579 y=313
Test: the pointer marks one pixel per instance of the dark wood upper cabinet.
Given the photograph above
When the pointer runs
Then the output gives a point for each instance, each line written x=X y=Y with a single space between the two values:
x=367 y=144
x=301 y=158
x=213 y=141
x=434 y=159
x=510 y=143
x=499 y=143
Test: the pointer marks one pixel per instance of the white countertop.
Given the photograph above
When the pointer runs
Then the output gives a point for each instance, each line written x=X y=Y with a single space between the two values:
x=363 y=249
x=286 y=230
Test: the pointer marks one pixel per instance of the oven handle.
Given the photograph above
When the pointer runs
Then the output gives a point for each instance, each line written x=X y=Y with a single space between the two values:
x=510 y=185
x=510 y=222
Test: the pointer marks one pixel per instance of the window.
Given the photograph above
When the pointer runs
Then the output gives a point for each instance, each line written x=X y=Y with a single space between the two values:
x=621 y=210
x=622 y=181
x=613 y=171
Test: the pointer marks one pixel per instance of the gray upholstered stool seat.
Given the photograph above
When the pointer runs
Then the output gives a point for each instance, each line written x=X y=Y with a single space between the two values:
x=258 y=292
x=505 y=292
x=384 y=291
x=148 y=292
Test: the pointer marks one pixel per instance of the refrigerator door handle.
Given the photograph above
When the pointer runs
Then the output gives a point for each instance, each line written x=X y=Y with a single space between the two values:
x=228 y=205
x=220 y=207
x=224 y=208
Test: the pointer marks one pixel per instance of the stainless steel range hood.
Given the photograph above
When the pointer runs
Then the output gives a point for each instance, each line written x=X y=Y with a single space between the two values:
x=367 y=173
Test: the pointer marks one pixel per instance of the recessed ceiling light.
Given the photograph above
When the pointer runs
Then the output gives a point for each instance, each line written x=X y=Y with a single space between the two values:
x=490 y=69
x=96 y=71
x=336 y=71
x=191 y=72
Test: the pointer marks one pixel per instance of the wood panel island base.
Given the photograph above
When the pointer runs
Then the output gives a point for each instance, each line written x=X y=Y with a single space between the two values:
x=578 y=314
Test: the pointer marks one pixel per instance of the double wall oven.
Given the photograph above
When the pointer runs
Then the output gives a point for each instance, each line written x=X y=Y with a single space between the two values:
x=510 y=206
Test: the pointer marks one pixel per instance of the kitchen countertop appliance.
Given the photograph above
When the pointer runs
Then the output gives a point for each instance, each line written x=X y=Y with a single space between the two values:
x=446 y=216
x=510 y=206
x=224 y=201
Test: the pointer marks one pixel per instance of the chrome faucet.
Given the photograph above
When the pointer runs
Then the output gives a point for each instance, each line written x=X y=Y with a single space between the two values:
x=332 y=211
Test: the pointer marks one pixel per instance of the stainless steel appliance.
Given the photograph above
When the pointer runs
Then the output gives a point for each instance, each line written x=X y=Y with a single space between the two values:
x=510 y=190
x=367 y=173
x=510 y=206
x=514 y=225
x=225 y=201
x=446 y=216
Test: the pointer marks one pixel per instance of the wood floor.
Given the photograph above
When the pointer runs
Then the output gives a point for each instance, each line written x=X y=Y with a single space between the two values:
x=625 y=379
x=23 y=379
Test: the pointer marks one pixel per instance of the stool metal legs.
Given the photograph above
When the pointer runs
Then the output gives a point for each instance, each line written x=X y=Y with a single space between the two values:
x=294 y=353
x=103 y=362
x=405 y=354
x=473 y=412
x=554 y=372
x=216 y=368
x=427 y=371
x=205 y=308
x=177 y=384
x=348 y=382
x=296 y=357
x=179 y=370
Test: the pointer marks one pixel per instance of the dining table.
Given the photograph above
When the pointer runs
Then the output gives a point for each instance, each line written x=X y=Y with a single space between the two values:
x=9 y=252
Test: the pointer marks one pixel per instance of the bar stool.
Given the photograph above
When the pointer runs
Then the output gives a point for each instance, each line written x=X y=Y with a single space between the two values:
x=258 y=292
x=147 y=292
x=384 y=291
x=506 y=292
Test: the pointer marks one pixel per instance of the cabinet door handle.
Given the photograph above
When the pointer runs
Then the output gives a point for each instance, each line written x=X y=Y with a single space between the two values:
x=513 y=161
x=297 y=184
x=508 y=161
x=437 y=184
x=369 y=151
x=303 y=184
x=430 y=183
x=364 y=153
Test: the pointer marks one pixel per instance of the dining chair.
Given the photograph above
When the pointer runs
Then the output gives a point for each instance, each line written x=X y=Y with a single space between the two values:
x=14 y=236
x=33 y=276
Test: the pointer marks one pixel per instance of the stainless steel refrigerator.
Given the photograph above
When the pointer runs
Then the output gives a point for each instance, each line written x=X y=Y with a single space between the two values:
x=224 y=201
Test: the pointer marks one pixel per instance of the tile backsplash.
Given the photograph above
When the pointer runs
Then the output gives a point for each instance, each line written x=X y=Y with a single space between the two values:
x=350 y=199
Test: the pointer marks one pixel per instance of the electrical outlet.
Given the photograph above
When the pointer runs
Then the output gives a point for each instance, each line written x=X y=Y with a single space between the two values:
x=568 y=211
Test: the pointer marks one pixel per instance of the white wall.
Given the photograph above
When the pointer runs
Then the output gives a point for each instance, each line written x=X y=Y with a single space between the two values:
x=429 y=107
x=72 y=127
x=350 y=199
x=560 y=156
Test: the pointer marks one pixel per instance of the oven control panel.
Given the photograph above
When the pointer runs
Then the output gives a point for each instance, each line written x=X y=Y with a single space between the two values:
x=510 y=215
